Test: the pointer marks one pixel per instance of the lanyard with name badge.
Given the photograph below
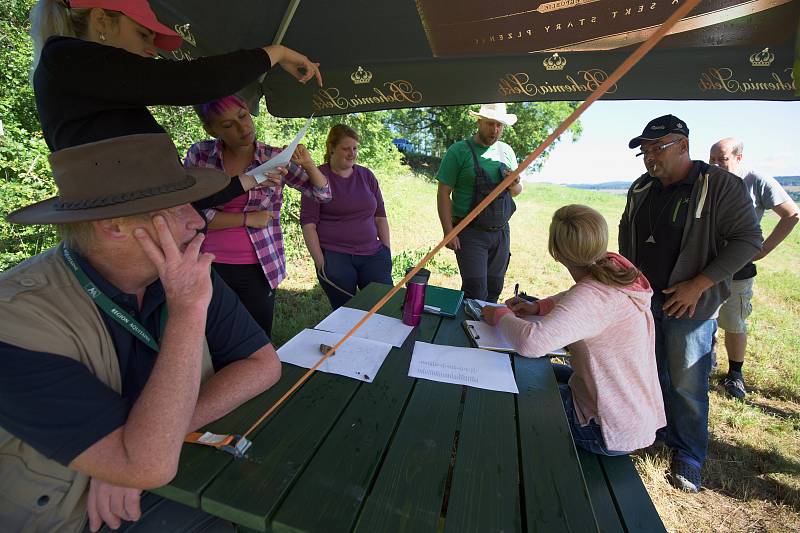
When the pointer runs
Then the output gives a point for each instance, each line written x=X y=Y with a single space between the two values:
x=108 y=306
x=234 y=444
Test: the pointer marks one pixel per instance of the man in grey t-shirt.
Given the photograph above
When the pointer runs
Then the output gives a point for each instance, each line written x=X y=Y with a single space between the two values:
x=766 y=193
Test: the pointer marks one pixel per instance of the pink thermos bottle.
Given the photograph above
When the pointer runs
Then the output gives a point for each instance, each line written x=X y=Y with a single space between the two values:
x=415 y=297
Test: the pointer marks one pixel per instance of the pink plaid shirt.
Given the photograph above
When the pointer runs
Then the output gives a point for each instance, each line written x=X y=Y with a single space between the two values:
x=267 y=242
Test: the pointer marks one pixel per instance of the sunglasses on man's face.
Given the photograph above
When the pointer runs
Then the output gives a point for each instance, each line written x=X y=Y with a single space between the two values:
x=656 y=149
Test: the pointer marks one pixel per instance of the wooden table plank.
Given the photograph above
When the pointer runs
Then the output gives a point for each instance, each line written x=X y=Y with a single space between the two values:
x=289 y=443
x=408 y=493
x=410 y=488
x=602 y=501
x=341 y=472
x=199 y=465
x=555 y=494
x=484 y=493
x=248 y=491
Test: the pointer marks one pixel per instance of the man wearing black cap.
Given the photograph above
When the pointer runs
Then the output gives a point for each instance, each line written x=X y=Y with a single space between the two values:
x=688 y=226
x=117 y=343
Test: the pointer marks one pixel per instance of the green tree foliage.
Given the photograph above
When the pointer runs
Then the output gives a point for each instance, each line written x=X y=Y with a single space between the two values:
x=24 y=171
x=434 y=129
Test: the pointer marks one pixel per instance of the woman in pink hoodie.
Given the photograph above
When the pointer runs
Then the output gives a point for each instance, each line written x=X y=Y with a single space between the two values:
x=611 y=393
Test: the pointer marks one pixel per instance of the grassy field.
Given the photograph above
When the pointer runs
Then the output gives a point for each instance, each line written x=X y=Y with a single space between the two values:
x=752 y=477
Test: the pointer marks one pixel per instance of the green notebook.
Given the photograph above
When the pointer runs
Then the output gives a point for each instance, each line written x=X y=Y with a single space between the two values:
x=441 y=301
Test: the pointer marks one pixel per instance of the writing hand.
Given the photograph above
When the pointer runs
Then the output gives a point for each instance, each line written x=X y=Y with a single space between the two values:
x=522 y=307
x=492 y=314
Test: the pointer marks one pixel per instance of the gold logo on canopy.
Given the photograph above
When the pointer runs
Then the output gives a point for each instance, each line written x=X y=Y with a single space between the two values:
x=361 y=76
x=555 y=62
x=764 y=58
x=185 y=33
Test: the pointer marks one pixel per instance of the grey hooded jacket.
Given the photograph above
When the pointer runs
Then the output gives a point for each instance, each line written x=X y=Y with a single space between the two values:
x=720 y=236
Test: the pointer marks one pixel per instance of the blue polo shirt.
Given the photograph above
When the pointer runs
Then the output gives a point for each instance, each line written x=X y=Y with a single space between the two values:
x=56 y=405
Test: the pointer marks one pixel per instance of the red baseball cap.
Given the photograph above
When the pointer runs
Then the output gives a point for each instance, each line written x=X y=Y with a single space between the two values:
x=140 y=11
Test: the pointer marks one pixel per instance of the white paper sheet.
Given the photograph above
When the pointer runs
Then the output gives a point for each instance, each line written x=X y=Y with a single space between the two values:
x=463 y=366
x=378 y=328
x=357 y=358
x=282 y=159
x=488 y=337
x=492 y=338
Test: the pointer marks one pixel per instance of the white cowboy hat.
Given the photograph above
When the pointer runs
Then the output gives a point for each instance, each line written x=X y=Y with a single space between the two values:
x=495 y=112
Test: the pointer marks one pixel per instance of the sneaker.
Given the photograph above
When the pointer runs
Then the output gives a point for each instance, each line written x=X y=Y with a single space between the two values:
x=734 y=385
x=684 y=476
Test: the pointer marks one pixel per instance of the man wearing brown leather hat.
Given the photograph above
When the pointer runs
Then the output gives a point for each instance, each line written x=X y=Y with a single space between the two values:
x=99 y=384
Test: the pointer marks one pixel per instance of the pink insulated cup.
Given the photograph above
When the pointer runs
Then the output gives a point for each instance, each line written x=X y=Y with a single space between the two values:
x=415 y=297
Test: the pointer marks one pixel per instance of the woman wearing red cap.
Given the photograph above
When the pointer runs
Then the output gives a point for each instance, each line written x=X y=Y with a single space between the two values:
x=94 y=76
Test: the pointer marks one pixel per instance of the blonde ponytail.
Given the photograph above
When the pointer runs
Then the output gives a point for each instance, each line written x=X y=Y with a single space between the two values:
x=53 y=18
x=579 y=238
x=608 y=273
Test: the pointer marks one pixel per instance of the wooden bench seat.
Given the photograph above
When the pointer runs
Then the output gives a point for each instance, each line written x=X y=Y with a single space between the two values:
x=619 y=498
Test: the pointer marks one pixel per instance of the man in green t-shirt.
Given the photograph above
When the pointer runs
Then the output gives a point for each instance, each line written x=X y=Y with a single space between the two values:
x=482 y=254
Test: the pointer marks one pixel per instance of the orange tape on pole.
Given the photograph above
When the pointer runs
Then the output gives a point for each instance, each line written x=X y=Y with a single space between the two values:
x=615 y=76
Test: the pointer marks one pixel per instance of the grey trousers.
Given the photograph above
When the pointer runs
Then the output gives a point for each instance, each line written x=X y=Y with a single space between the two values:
x=160 y=515
x=483 y=261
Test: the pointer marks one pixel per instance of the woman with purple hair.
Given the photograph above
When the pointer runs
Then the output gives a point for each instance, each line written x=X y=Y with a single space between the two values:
x=244 y=234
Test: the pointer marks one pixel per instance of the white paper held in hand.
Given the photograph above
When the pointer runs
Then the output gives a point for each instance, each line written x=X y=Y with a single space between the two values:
x=283 y=158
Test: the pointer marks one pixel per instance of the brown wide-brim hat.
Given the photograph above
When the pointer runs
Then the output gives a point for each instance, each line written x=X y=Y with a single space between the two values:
x=119 y=177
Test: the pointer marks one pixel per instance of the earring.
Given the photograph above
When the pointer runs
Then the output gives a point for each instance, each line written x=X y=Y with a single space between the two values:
x=102 y=36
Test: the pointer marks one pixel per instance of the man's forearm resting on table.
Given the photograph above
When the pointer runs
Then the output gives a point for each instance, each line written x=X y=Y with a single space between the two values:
x=144 y=452
x=235 y=384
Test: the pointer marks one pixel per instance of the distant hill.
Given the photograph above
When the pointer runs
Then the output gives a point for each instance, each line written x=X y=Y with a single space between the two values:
x=606 y=185
x=788 y=181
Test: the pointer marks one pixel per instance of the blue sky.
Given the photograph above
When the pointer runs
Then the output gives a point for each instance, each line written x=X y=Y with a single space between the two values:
x=770 y=131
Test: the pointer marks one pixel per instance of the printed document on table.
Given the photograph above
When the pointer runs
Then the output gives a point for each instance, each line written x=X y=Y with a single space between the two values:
x=282 y=159
x=378 y=328
x=463 y=366
x=357 y=358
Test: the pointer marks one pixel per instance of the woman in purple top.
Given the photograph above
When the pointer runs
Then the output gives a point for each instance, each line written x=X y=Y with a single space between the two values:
x=348 y=237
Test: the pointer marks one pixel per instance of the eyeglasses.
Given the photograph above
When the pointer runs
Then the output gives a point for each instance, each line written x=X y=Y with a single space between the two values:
x=656 y=149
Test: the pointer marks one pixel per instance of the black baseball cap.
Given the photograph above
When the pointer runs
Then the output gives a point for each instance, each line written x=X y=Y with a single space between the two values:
x=659 y=127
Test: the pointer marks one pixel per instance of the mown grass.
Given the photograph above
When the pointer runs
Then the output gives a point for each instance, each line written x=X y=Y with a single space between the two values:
x=752 y=477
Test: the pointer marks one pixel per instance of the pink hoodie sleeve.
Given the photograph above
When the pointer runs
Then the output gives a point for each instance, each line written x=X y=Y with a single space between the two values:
x=574 y=315
x=547 y=304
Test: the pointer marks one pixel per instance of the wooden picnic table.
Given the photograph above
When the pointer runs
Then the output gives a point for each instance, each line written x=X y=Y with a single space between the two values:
x=402 y=454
